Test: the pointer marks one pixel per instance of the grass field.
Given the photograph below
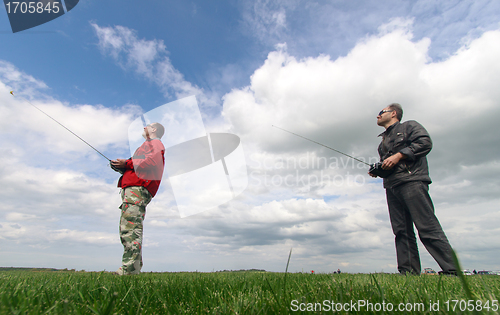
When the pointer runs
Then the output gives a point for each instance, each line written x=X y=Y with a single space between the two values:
x=65 y=292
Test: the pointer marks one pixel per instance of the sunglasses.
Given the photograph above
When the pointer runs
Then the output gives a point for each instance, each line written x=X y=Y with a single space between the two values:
x=384 y=111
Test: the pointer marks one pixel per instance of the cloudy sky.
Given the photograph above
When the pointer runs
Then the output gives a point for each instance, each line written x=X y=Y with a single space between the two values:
x=322 y=69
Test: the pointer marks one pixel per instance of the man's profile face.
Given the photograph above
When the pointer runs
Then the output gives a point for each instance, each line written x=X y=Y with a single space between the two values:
x=386 y=116
x=148 y=130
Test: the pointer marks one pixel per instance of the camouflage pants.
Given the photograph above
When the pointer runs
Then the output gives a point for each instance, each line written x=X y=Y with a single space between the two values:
x=134 y=202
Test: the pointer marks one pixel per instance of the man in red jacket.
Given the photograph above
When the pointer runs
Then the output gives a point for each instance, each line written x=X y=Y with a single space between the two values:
x=139 y=183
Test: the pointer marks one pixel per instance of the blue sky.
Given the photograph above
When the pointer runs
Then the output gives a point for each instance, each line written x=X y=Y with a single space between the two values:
x=320 y=68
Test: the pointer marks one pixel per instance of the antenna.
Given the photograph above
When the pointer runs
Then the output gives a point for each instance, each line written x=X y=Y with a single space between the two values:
x=352 y=157
x=12 y=92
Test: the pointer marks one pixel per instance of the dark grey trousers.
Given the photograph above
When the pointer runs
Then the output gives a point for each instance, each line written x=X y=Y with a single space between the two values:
x=410 y=204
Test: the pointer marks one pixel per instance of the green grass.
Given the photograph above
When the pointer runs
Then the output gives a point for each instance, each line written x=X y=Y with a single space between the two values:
x=26 y=292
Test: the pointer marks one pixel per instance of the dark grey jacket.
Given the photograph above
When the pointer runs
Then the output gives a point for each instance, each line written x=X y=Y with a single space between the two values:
x=411 y=139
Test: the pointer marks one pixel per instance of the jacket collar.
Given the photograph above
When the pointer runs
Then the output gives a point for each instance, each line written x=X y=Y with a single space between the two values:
x=388 y=130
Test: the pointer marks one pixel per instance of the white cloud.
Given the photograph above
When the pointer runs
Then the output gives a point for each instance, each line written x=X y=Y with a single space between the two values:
x=91 y=237
x=149 y=58
x=11 y=231
x=19 y=80
x=16 y=216
x=266 y=20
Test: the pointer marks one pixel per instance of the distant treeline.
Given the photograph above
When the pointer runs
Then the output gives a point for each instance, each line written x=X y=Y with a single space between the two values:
x=242 y=270
x=32 y=269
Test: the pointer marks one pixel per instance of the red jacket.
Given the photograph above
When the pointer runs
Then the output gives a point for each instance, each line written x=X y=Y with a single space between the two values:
x=145 y=168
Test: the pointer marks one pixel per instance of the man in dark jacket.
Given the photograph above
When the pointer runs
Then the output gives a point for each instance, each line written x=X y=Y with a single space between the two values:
x=139 y=183
x=403 y=150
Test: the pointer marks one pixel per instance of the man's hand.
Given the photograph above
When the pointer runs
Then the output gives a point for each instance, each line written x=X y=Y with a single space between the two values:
x=391 y=161
x=372 y=174
x=119 y=163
